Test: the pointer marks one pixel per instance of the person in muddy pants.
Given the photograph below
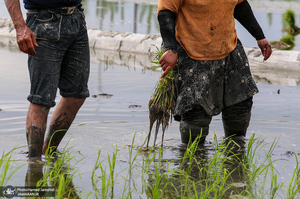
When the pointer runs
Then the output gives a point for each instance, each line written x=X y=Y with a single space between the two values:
x=55 y=38
x=212 y=73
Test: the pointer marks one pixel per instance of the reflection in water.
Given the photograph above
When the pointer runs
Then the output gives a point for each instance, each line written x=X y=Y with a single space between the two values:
x=39 y=174
x=216 y=170
x=264 y=72
x=34 y=173
x=141 y=17
x=135 y=18
x=121 y=16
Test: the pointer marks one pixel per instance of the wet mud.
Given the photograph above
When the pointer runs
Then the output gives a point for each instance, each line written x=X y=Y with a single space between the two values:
x=104 y=95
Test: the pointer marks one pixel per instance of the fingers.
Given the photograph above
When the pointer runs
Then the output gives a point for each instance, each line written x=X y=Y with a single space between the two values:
x=26 y=41
x=30 y=44
x=265 y=48
x=268 y=51
x=34 y=40
x=29 y=48
x=164 y=66
x=166 y=71
x=162 y=59
x=167 y=61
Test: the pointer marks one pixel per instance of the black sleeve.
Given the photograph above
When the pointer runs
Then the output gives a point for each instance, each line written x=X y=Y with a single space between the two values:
x=167 y=19
x=243 y=13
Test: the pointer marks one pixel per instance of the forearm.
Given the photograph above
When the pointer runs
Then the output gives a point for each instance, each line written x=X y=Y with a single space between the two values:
x=14 y=9
x=243 y=13
x=167 y=21
x=25 y=37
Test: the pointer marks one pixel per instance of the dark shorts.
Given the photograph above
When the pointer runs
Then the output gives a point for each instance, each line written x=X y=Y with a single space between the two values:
x=212 y=85
x=62 y=58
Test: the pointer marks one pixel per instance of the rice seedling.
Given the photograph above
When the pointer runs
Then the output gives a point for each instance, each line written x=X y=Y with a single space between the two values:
x=293 y=188
x=161 y=103
x=260 y=172
x=275 y=186
x=107 y=181
x=287 y=42
x=133 y=164
x=290 y=23
x=218 y=172
x=59 y=172
x=107 y=177
x=212 y=179
x=6 y=167
x=195 y=177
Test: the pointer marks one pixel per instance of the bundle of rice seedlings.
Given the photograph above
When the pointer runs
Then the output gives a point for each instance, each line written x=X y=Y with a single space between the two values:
x=161 y=103
x=289 y=40
x=290 y=23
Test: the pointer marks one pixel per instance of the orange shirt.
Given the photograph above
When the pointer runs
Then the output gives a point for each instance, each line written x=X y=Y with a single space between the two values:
x=204 y=28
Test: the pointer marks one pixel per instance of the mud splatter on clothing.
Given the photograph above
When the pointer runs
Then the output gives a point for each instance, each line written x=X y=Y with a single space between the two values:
x=62 y=58
x=212 y=85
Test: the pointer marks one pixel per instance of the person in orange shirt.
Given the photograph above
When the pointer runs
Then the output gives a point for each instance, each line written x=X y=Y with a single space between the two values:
x=211 y=70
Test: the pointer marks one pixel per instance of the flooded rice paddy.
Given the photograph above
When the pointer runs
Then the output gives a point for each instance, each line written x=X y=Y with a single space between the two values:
x=120 y=87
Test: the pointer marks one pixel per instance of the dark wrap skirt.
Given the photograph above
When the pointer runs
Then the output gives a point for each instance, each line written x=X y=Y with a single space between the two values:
x=212 y=85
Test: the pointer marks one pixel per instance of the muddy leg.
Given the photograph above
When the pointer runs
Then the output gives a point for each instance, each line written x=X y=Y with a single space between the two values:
x=194 y=123
x=35 y=129
x=236 y=118
x=61 y=120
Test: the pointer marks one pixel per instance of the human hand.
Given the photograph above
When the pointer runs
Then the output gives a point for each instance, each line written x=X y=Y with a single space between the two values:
x=26 y=40
x=265 y=48
x=168 y=61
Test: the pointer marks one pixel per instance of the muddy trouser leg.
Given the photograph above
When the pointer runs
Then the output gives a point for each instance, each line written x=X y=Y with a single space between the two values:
x=236 y=118
x=194 y=123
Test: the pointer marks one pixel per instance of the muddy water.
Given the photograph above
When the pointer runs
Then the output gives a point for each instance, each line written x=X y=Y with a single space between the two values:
x=120 y=86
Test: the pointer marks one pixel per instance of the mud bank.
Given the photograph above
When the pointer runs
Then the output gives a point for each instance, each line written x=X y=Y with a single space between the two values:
x=146 y=45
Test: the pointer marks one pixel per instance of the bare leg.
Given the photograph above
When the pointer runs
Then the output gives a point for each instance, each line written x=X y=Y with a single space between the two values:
x=35 y=129
x=61 y=120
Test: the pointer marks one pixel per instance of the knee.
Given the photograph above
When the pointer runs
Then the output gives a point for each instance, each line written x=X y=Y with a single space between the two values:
x=73 y=102
x=38 y=111
x=195 y=118
x=194 y=124
x=190 y=130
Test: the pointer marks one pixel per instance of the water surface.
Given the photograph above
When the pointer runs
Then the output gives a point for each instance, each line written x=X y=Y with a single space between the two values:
x=140 y=16
x=106 y=123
